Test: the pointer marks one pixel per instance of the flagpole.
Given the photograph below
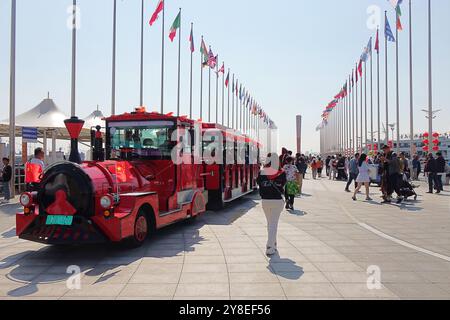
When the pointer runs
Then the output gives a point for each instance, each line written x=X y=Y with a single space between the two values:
x=361 y=112
x=113 y=77
x=190 y=83
x=201 y=84
x=12 y=98
x=353 y=113
x=386 y=82
x=365 y=107
x=232 y=105
x=228 y=118
x=357 y=112
x=223 y=96
x=430 y=76
x=411 y=97
x=371 y=98
x=141 y=99
x=217 y=90
x=179 y=68
x=209 y=91
x=74 y=59
x=162 y=59
x=378 y=93
x=397 y=84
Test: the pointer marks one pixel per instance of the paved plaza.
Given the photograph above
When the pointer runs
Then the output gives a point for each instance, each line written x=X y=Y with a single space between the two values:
x=326 y=248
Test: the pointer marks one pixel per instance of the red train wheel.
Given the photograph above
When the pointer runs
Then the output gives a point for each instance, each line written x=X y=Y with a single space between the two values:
x=141 y=230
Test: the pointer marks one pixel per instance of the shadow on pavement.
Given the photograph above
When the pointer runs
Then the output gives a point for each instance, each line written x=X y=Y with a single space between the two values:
x=49 y=264
x=285 y=268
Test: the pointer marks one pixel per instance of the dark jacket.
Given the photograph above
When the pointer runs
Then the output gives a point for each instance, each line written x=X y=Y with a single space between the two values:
x=271 y=187
x=7 y=174
x=301 y=167
x=440 y=165
x=431 y=166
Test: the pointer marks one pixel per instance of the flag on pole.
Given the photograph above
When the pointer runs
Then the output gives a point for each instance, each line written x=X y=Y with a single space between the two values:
x=212 y=60
x=158 y=10
x=191 y=40
x=398 y=12
x=369 y=47
x=388 y=32
x=222 y=69
x=377 y=42
x=175 y=27
x=227 y=80
x=360 y=70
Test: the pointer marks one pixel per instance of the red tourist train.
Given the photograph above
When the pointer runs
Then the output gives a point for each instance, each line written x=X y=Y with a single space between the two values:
x=152 y=171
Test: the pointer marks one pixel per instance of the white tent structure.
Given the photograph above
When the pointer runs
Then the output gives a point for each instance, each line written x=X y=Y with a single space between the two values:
x=49 y=120
x=94 y=119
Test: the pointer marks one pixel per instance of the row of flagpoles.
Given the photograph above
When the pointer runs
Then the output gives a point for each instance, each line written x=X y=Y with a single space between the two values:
x=345 y=124
x=242 y=111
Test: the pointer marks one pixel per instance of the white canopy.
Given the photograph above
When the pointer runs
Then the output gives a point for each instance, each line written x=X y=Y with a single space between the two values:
x=46 y=116
x=94 y=119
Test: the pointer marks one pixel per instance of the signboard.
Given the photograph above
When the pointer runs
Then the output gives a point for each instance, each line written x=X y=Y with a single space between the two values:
x=29 y=135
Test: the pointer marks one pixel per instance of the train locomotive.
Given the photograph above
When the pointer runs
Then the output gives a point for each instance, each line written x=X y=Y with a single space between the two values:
x=134 y=187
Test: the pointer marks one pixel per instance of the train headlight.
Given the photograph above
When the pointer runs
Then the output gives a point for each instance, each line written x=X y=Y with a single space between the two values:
x=106 y=202
x=26 y=199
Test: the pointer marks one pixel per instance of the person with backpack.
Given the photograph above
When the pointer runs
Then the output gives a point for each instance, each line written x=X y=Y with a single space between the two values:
x=271 y=181
x=6 y=180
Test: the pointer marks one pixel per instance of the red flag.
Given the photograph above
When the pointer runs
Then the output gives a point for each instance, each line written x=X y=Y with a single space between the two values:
x=158 y=10
x=227 y=81
x=377 y=42
x=360 y=70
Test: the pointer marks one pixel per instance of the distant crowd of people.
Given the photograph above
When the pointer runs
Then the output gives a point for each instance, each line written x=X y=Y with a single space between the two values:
x=281 y=179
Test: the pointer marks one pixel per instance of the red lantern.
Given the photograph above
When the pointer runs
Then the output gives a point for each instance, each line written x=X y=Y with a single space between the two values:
x=436 y=142
x=426 y=135
x=436 y=135
x=426 y=142
x=426 y=148
x=435 y=148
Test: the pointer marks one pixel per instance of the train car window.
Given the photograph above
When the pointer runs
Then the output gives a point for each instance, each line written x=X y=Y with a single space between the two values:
x=145 y=140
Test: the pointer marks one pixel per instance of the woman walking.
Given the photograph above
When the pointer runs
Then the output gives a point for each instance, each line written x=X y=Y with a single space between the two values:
x=314 y=168
x=363 y=177
x=271 y=183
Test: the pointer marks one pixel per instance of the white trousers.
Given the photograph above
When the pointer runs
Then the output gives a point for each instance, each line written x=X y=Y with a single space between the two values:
x=272 y=210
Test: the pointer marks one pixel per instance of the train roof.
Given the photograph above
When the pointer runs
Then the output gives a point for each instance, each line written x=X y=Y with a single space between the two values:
x=140 y=114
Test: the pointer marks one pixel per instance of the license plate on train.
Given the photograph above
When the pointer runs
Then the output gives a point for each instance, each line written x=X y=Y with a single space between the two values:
x=59 y=220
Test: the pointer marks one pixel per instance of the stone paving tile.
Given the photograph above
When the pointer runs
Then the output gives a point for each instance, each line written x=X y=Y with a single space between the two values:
x=302 y=277
x=253 y=277
x=218 y=268
x=358 y=290
x=418 y=291
x=256 y=290
x=204 y=278
x=203 y=290
x=310 y=290
x=97 y=290
x=150 y=290
x=337 y=266
x=158 y=278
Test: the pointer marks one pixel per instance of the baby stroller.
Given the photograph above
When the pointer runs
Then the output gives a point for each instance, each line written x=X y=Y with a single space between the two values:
x=407 y=189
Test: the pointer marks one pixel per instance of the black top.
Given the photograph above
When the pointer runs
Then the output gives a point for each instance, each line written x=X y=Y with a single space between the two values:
x=301 y=166
x=271 y=187
x=440 y=165
x=7 y=173
x=431 y=166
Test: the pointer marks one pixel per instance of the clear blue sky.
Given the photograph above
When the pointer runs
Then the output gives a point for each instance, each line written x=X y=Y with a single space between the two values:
x=293 y=55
